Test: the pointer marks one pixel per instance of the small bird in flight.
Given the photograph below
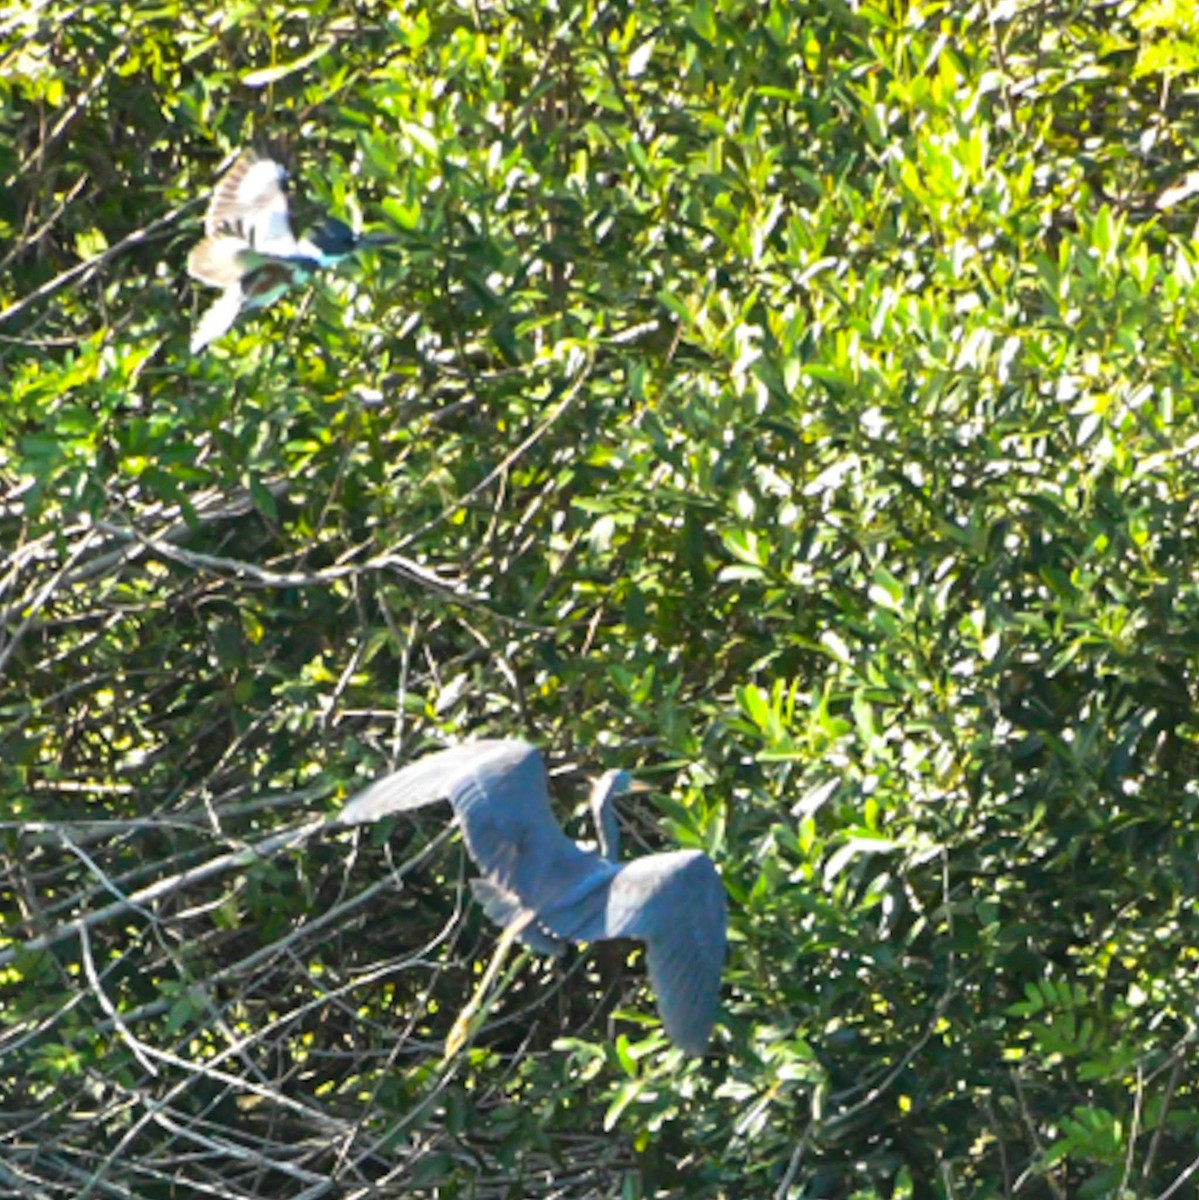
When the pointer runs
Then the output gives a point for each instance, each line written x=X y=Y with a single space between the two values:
x=248 y=248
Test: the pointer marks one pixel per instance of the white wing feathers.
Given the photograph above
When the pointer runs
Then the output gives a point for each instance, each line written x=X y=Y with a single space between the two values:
x=218 y=319
x=217 y=260
x=249 y=202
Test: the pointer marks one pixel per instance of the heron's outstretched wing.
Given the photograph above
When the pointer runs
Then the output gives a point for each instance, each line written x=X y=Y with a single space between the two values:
x=675 y=903
x=249 y=202
x=500 y=793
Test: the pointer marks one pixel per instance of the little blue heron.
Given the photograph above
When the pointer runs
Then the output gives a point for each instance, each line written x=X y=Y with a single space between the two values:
x=544 y=889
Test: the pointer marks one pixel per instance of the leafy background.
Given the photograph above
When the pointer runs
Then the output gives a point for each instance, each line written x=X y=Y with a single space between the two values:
x=792 y=402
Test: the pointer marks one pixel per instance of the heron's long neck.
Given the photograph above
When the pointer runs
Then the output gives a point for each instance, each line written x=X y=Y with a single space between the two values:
x=607 y=830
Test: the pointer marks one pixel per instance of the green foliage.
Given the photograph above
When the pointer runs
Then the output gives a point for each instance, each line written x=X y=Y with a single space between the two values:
x=792 y=403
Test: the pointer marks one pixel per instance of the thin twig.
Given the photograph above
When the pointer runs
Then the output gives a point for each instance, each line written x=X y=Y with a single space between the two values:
x=89 y=967
x=556 y=415
x=92 y=265
x=165 y=887
x=43 y=595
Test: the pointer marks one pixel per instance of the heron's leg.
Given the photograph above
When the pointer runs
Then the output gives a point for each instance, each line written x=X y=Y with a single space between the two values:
x=470 y=1018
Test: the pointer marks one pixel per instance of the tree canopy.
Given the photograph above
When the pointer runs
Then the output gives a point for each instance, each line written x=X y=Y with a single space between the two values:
x=792 y=403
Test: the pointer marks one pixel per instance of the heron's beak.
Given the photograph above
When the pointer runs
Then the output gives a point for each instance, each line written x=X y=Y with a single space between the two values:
x=639 y=785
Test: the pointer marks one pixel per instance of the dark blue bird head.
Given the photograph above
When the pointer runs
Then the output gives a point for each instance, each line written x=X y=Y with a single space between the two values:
x=332 y=240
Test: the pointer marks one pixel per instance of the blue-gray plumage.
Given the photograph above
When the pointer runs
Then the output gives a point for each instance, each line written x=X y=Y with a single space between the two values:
x=549 y=890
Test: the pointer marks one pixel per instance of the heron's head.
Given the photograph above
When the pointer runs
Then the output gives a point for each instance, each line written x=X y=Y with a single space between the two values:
x=610 y=783
x=615 y=783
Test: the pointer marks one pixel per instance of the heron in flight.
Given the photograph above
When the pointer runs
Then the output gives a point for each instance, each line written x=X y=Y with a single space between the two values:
x=545 y=889
x=248 y=248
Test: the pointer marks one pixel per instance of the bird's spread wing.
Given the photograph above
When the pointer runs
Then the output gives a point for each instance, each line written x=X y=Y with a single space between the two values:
x=217 y=261
x=425 y=781
x=250 y=203
x=218 y=319
x=500 y=793
x=675 y=903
